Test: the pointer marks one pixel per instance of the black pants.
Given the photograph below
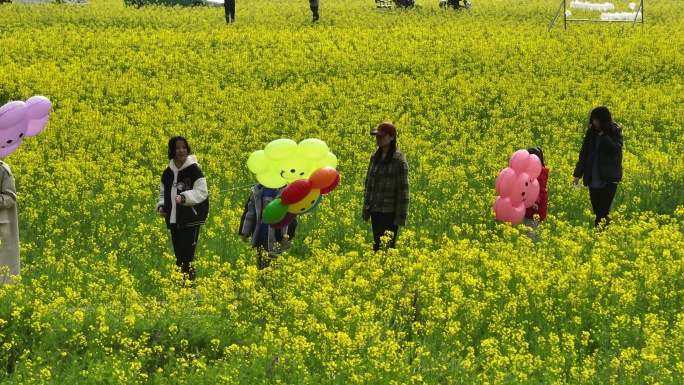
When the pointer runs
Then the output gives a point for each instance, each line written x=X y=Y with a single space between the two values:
x=381 y=223
x=263 y=259
x=184 y=241
x=314 y=10
x=230 y=10
x=601 y=199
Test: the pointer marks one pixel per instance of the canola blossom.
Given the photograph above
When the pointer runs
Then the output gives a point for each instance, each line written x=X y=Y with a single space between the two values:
x=465 y=298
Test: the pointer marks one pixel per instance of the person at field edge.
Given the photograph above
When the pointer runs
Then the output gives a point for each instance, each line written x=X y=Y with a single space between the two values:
x=183 y=202
x=600 y=162
x=537 y=212
x=404 y=3
x=10 y=264
x=386 y=189
x=313 y=5
x=455 y=4
x=268 y=241
x=229 y=6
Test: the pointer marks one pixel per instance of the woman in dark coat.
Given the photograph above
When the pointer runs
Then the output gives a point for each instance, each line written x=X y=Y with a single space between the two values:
x=600 y=162
x=386 y=188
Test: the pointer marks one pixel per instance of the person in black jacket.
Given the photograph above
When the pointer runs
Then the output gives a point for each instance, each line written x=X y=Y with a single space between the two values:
x=313 y=5
x=229 y=6
x=183 y=202
x=600 y=162
x=405 y=3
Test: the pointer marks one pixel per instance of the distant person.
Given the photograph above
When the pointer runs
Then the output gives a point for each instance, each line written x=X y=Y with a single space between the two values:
x=600 y=162
x=229 y=5
x=10 y=265
x=268 y=241
x=405 y=3
x=183 y=202
x=386 y=189
x=537 y=212
x=455 y=4
x=313 y=5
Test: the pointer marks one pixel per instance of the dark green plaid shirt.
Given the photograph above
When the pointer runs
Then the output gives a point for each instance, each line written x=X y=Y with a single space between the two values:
x=387 y=187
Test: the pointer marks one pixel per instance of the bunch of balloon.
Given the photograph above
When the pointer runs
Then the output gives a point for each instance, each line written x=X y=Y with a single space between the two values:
x=21 y=119
x=301 y=197
x=517 y=187
x=283 y=161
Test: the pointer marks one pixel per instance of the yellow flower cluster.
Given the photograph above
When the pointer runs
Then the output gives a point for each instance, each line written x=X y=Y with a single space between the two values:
x=464 y=298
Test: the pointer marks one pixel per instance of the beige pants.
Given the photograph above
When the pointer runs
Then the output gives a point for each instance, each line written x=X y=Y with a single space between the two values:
x=9 y=254
x=532 y=223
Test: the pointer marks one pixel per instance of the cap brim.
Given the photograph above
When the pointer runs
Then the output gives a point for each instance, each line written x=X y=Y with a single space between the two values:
x=378 y=133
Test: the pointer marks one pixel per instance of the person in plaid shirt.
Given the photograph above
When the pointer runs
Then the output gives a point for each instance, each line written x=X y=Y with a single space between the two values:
x=386 y=190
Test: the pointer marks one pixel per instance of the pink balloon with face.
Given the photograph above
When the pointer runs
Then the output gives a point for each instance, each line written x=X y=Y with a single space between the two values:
x=13 y=126
x=505 y=181
x=534 y=193
x=506 y=211
x=522 y=190
x=519 y=161
x=534 y=168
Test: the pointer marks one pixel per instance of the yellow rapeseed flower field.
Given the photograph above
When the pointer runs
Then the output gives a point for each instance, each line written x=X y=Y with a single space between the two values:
x=463 y=299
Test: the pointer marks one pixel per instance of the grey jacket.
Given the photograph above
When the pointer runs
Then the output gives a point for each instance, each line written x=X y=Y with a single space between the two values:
x=251 y=221
x=9 y=227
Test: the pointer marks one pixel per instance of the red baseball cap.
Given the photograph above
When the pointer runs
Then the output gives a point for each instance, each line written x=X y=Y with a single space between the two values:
x=385 y=129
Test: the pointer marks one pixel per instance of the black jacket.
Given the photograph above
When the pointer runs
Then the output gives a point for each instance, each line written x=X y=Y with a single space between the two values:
x=609 y=156
x=192 y=186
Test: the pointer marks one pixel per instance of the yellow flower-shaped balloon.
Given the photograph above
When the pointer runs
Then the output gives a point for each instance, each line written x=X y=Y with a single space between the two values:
x=283 y=161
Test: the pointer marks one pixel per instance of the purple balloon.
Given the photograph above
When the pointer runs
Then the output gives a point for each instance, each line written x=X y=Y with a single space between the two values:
x=5 y=151
x=38 y=114
x=13 y=126
x=289 y=217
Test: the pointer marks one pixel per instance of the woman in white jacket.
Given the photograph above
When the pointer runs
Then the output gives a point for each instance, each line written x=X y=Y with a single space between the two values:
x=183 y=202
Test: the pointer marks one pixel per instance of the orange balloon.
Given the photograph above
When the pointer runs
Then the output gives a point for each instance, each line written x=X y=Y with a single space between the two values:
x=323 y=177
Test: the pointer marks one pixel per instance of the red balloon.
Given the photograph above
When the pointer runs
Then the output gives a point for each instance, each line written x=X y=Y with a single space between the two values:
x=323 y=177
x=332 y=185
x=296 y=191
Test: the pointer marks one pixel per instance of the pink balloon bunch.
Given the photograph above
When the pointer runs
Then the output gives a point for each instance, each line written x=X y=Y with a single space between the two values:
x=517 y=187
x=19 y=119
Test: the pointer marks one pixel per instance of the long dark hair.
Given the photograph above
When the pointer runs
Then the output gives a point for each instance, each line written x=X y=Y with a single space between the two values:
x=390 y=152
x=538 y=152
x=172 y=146
x=603 y=115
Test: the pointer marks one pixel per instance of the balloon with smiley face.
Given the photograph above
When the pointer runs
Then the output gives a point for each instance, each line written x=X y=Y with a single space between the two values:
x=21 y=119
x=301 y=197
x=284 y=161
x=517 y=187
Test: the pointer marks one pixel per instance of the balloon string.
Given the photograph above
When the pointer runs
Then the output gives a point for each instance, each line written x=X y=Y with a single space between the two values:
x=231 y=189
